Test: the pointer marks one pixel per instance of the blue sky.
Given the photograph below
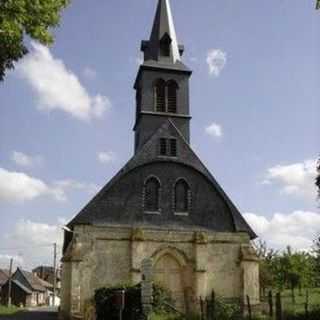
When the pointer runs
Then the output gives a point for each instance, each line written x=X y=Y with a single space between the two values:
x=67 y=114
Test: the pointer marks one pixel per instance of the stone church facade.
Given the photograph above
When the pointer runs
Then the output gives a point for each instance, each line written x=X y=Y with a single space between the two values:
x=163 y=205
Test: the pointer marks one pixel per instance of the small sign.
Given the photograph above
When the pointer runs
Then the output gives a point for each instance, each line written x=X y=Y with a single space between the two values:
x=119 y=299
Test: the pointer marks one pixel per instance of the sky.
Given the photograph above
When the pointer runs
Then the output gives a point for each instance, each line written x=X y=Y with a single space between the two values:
x=67 y=114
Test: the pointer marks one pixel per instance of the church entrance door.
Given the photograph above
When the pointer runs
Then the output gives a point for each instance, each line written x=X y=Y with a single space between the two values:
x=168 y=273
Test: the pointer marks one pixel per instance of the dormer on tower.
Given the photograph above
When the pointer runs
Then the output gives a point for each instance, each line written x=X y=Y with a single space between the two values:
x=162 y=84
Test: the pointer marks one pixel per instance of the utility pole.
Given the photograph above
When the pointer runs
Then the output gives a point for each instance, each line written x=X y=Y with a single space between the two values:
x=54 y=273
x=10 y=283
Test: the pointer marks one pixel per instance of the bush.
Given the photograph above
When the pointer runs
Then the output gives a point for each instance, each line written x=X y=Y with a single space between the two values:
x=227 y=311
x=105 y=308
x=161 y=300
x=166 y=316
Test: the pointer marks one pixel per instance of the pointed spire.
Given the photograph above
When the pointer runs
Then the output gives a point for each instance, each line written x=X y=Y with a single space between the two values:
x=163 y=34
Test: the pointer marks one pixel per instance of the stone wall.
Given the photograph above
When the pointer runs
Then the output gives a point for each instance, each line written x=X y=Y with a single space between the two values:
x=105 y=256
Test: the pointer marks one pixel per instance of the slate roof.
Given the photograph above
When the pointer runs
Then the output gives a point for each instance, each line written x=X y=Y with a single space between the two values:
x=21 y=286
x=45 y=271
x=33 y=281
x=90 y=214
x=28 y=279
x=119 y=204
x=45 y=284
x=36 y=283
x=4 y=276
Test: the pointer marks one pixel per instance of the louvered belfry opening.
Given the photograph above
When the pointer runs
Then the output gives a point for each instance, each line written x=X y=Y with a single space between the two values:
x=165 y=96
x=172 y=96
x=160 y=95
x=182 y=194
x=152 y=195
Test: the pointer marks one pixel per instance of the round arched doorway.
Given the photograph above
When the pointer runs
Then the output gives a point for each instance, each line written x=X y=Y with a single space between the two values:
x=168 y=273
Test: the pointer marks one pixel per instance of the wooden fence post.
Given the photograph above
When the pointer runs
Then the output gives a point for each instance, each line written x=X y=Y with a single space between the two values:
x=249 y=308
x=202 y=308
x=270 y=301
x=213 y=305
x=278 y=307
x=207 y=309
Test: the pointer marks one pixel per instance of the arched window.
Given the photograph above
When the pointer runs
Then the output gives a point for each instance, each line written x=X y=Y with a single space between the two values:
x=172 y=96
x=182 y=197
x=152 y=195
x=160 y=95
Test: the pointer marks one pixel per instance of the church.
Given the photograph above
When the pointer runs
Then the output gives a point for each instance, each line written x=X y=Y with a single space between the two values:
x=163 y=205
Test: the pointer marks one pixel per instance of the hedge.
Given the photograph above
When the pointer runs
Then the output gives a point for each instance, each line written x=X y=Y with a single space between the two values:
x=105 y=308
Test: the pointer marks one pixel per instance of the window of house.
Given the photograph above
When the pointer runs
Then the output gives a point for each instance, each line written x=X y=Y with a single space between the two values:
x=152 y=195
x=182 y=197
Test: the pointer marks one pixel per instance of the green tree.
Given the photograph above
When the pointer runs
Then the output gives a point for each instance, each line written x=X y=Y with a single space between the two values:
x=293 y=270
x=316 y=251
x=318 y=178
x=266 y=255
x=21 y=18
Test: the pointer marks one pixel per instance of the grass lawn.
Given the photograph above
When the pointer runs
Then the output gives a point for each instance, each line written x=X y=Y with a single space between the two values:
x=5 y=310
x=300 y=300
x=299 y=305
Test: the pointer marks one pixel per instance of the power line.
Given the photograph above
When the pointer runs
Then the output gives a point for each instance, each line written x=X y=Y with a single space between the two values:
x=29 y=247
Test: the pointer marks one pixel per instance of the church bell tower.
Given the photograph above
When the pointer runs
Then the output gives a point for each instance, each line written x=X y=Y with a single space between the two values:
x=162 y=83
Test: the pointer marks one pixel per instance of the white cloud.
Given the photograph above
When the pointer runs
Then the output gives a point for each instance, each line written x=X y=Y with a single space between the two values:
x=24 y=160
x=89 y=73
x=214 y=130
x=106 y=157
x=297 y=229
x=27 y=232
x=5 y=260
x=216 y=60
x=18 y=186
x=294 y=179
x=58 y=88
x=31 y=243
x=69 y=184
